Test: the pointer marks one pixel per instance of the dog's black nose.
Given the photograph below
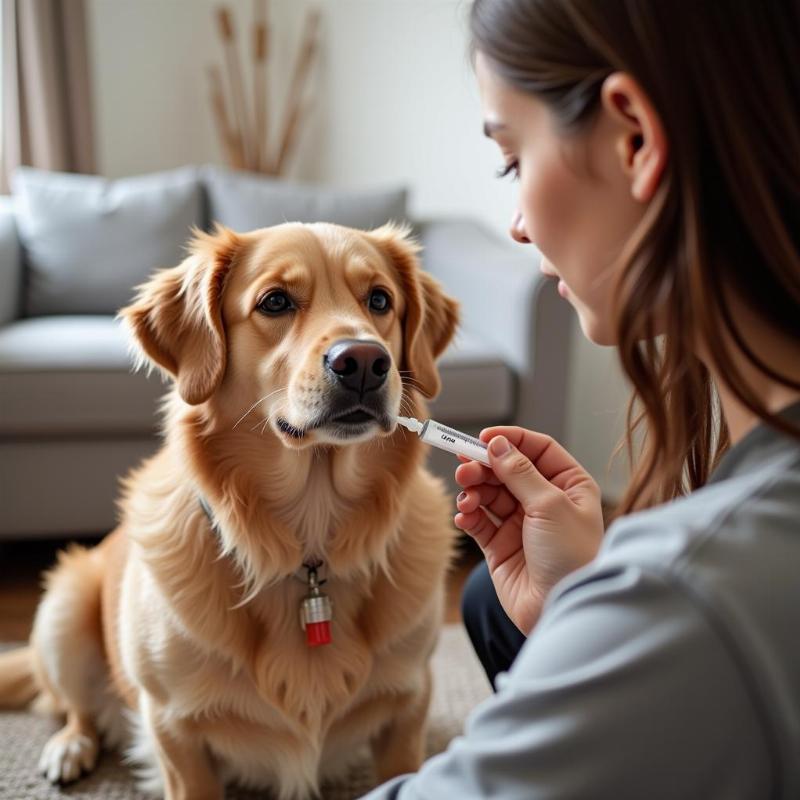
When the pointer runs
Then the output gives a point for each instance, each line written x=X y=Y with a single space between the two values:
x=360 y=366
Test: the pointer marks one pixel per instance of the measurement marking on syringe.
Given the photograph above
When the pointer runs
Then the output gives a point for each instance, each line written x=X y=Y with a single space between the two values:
x=447 y=438
x=464 y=437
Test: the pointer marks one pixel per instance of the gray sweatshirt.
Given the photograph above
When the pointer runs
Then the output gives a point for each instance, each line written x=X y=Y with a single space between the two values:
x=669 y=667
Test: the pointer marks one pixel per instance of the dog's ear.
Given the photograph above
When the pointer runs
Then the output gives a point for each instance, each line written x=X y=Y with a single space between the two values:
x=431 y=316
x=176 y=317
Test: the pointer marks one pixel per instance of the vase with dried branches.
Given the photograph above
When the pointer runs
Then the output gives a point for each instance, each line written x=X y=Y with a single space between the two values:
x=243 y=131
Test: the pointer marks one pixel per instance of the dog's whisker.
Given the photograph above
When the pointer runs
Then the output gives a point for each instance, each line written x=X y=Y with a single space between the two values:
x=255 y=426
x=236 y=424
x=411 y=383
x=262 y=423
x=405 y=406
x=406 y=393
x=258 y=402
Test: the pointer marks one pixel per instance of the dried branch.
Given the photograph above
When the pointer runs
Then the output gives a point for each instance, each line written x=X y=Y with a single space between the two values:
x=295 y=107
x=228 y=35
x=260 y=88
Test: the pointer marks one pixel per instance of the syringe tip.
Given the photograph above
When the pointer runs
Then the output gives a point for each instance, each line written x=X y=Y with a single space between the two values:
x=410 y=423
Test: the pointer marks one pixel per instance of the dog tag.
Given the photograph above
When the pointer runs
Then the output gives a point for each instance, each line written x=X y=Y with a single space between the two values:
x=315 y=613
x=316 y=616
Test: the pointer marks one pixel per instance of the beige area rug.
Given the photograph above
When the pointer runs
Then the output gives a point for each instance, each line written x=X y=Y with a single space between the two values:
x=459 y=684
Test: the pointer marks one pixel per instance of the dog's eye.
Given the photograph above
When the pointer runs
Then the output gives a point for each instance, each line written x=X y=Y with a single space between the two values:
x=379 y=301
x=275 y=303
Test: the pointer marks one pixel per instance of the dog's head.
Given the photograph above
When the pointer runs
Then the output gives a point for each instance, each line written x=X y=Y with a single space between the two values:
x=315 y=330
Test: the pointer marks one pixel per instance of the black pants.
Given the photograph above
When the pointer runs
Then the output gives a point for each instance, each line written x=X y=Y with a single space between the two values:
x=496 y=639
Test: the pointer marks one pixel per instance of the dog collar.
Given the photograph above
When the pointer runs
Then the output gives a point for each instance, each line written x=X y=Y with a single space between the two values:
x=316 y=609
x=207 y=509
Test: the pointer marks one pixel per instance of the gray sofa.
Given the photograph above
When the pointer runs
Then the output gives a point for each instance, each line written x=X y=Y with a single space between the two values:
x=74 y=417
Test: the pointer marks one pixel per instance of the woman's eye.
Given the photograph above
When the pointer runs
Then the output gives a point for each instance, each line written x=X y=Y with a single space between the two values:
x=275 y=303
x=379 y=301
x=512 y=168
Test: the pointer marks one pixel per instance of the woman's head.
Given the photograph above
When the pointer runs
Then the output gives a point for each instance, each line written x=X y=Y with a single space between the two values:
x=581 y=194
x=659 y=155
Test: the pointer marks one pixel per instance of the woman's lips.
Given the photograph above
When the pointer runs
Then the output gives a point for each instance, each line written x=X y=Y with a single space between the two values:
x=562 y=287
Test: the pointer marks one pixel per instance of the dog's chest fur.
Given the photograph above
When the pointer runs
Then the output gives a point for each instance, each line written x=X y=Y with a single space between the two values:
x=235 y=664
x=291 y=698
x=262 y=659
x=314 y=512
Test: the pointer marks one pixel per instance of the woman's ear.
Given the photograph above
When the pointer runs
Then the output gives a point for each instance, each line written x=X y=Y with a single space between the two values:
x=431 y=316
x=641 y=142
x=176 y=317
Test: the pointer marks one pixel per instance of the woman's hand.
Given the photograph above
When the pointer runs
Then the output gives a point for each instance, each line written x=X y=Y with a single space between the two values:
x=544 y=517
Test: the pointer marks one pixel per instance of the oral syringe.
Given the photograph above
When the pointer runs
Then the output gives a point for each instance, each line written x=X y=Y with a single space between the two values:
x=438 y=435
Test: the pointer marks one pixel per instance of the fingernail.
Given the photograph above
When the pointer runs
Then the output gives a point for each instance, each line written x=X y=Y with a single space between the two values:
x=462 y=496
x=499 y=446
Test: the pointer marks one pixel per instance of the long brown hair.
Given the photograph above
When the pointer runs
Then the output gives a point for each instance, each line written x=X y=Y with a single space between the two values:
x=724 y=77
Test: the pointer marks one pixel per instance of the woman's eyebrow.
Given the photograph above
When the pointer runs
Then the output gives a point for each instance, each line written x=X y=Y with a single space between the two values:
x=490 y=128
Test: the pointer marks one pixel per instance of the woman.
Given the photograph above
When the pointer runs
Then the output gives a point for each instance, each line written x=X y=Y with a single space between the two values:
x=658 y=151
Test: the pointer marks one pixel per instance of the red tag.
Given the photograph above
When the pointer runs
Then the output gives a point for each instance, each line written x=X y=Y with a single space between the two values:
x=316 y=611
x=318 y=633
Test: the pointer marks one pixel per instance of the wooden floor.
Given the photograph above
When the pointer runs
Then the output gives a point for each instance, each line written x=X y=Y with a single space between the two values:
x=22 y=563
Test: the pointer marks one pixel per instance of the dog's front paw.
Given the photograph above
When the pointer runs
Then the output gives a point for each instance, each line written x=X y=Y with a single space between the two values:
x=67 y=756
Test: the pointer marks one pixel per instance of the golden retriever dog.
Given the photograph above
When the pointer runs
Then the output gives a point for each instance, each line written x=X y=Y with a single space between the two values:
x=282 y=480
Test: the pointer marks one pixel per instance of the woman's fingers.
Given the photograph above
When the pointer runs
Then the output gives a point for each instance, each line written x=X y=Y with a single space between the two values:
x=496 y=498
x=500 y=543
x=519 y=474
x=551 y=460
x=473 y=473
x=478 y=526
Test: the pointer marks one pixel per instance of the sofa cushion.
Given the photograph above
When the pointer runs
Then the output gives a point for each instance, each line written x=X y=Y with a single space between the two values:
x=70 y=375
x=10 y=277
x=88 y=241
x=245 y=201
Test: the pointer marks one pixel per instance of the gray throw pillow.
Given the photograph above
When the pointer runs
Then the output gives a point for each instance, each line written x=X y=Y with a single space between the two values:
x=244 y=201
x=87 y=241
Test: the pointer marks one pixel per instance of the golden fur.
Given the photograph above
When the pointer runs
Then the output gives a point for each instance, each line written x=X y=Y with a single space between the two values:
x=196 y=628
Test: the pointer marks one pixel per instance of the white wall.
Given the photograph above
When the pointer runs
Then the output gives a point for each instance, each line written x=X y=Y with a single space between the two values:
x=395 y=103
x=150 y=87
x=400 y=101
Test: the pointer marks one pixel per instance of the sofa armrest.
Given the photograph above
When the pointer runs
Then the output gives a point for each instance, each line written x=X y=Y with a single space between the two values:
x=506 y=300
x=10 y=266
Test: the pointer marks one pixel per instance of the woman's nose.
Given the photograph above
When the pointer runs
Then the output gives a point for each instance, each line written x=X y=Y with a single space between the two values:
x=517 y=229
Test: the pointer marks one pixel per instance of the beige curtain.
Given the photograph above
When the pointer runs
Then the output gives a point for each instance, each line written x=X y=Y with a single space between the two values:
x=46 y=111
